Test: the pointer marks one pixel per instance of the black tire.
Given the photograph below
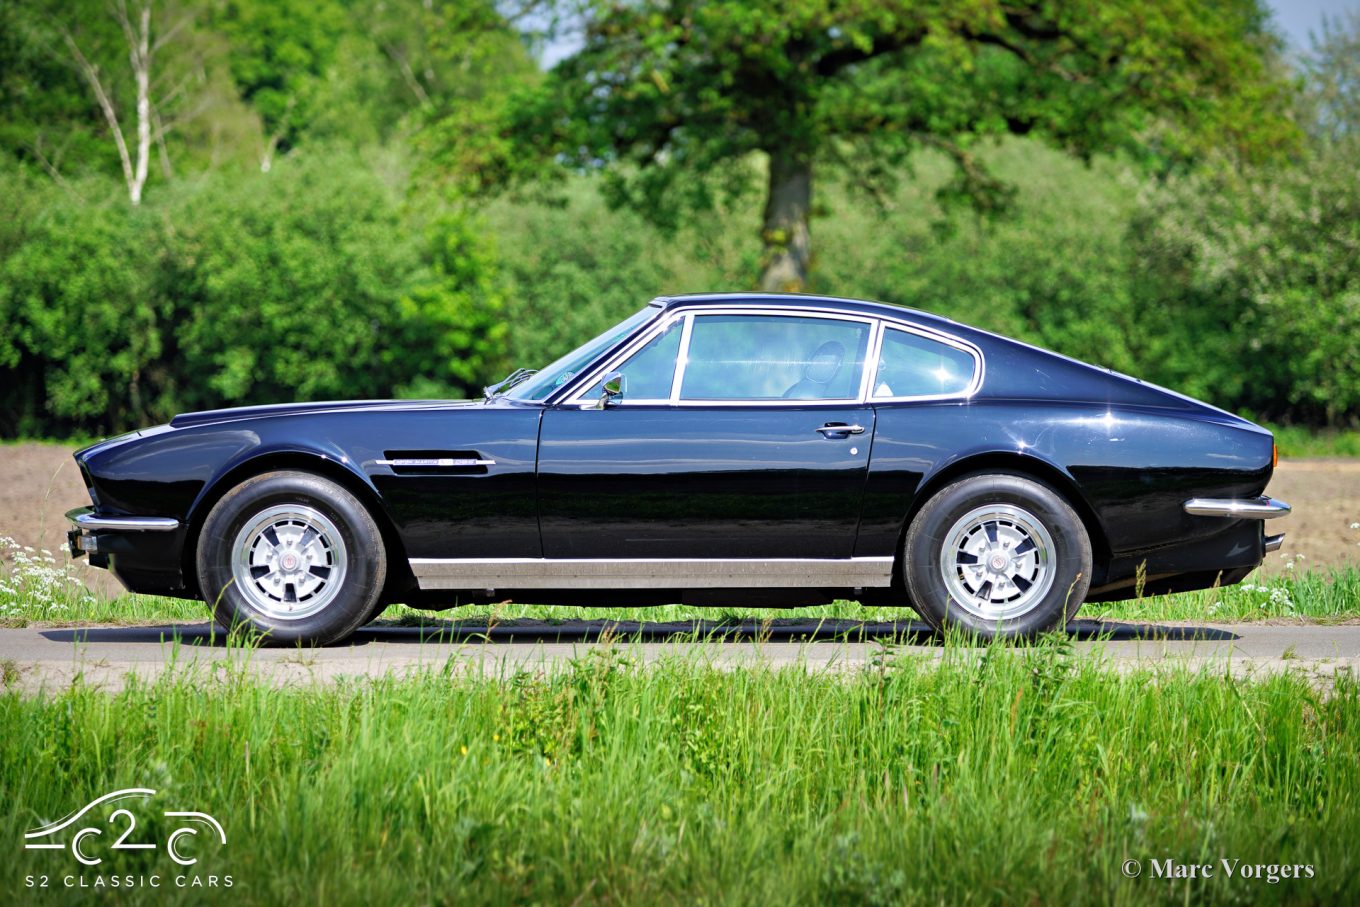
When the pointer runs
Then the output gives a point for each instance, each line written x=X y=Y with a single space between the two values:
x=355 y=558
x=379 y=606
x=942 y=526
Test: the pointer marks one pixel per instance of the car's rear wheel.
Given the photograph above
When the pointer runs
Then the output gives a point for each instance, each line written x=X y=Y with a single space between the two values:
x=292 y=556
x=997 y=555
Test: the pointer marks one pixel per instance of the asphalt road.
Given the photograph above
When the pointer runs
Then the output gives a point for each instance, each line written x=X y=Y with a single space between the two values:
x=49 y=658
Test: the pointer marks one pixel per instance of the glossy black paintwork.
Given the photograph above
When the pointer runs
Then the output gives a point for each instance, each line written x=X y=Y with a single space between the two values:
x=657 y=482
x=728 y=482
x=1127 y=469
x=182 y=472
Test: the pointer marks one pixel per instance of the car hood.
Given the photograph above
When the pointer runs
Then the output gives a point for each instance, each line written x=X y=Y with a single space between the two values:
x=213 y=416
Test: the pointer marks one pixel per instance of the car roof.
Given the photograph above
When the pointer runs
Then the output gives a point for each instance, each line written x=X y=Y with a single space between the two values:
x=811 y=302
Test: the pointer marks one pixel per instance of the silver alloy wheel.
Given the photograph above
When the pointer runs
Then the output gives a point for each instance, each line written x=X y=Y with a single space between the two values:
x=289 y=561
x=997 y=561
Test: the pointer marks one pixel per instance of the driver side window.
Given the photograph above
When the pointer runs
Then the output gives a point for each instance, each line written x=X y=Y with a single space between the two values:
x=648 y=372
x=774 y=357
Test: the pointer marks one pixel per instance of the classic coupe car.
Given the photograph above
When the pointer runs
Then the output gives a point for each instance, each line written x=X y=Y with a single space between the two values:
x=738 y=449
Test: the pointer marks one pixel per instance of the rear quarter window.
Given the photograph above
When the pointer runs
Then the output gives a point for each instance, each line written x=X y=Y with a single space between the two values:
x=914 y=366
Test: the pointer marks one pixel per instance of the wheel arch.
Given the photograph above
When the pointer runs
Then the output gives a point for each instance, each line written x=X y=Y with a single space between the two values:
x=399 y=576
x=1031 y=467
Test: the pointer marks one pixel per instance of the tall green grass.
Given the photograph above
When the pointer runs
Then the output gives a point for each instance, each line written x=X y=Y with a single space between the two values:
x=1018 y=776
x=1304 y=441
x=1314 y=594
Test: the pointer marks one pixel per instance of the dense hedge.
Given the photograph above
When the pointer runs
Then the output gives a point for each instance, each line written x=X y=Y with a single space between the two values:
x=313 y=282
x=326 y=278
x=1254 y=288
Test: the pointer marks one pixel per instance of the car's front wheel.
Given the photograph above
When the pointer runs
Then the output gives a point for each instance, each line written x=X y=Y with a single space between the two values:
x=292 y=556
x=997 y=555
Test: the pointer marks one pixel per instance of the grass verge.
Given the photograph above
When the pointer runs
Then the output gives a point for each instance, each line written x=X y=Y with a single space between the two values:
x=1017 y=775
x=1301 y=441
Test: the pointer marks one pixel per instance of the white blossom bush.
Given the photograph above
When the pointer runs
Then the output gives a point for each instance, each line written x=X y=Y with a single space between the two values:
x=33 y=582
x=1274 y=599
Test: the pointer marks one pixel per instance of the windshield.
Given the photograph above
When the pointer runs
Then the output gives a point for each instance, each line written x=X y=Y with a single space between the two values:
x=563 y=370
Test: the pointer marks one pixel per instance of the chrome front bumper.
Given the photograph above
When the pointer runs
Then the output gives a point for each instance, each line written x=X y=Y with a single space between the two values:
x=1262 y=508
x=86 y=523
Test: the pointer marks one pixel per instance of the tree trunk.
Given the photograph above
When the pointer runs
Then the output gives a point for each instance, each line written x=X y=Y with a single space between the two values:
x=788 y=243
x=139 y=55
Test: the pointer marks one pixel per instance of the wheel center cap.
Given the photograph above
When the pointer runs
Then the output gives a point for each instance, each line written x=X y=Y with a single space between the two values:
x=290 y=562
x=998 y=562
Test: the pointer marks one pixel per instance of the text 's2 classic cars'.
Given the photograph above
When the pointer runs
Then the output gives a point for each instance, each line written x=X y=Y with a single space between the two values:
x=735 y=449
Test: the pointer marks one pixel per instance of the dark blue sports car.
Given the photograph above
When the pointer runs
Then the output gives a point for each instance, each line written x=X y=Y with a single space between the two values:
x=737 y=449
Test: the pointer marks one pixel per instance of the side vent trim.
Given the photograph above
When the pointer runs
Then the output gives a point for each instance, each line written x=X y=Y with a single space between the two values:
x=435 y=462
x=438 y=462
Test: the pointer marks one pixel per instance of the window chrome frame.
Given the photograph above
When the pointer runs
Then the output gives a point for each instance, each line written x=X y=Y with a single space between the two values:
x=577 y=395
x=581 y=396
x=979 y=364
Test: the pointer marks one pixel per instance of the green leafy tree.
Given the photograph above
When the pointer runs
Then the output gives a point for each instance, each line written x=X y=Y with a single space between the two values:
x=450 y=332
x=1331 y=96
x=674 y=97
x=313 y=282
x=46 y=118
x=442 y=52
x=79 y=320
x=281 y=53
x=1249 y=290
x=123 y=75
x=1250 y=283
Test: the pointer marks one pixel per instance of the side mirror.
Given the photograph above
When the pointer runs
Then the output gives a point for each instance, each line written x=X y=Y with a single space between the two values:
x=612 y=389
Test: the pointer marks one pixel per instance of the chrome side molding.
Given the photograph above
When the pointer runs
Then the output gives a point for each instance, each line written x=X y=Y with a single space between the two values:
x=85 y=518
x=645 y=573
x=1262 y=508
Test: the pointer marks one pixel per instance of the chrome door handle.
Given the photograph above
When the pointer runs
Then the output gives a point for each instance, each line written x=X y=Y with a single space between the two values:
x=828 y=430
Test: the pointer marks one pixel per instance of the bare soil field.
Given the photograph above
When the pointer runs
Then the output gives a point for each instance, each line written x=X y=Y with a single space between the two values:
x=39 y=482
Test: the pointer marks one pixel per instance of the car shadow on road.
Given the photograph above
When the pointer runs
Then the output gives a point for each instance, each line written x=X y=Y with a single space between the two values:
x=589 y=631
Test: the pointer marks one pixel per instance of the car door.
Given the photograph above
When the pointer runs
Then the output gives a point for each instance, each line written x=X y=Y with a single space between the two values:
x=739 y=434
x=457 y=480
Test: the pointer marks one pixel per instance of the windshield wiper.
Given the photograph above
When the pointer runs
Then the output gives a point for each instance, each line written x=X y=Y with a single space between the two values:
x=515 y=377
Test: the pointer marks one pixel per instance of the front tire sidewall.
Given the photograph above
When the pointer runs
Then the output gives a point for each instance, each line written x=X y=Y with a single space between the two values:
x=923 y=552
x=366 y=565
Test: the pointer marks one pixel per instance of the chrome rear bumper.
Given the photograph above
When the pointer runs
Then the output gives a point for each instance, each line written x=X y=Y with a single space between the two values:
x=1262 y=508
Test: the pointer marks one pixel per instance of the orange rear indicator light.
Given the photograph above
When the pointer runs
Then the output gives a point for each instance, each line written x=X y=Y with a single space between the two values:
x=1274 y=455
